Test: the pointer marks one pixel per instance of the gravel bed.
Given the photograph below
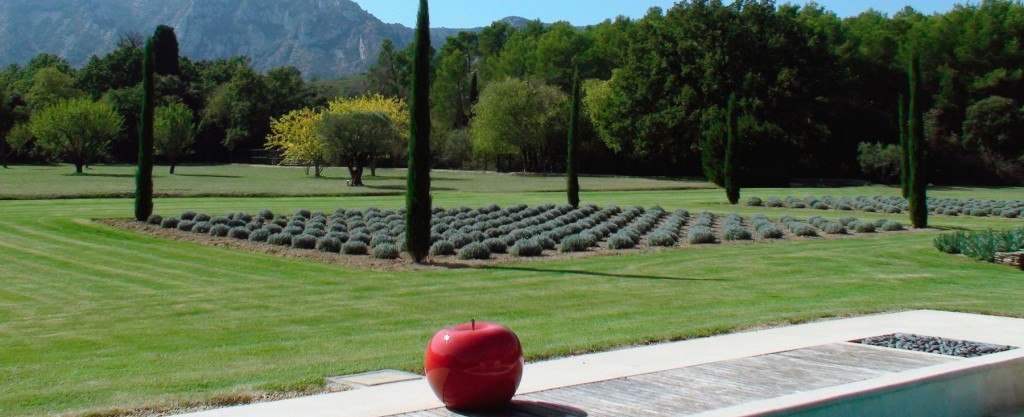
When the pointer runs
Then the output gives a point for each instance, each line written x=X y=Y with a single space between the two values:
x=938 y=345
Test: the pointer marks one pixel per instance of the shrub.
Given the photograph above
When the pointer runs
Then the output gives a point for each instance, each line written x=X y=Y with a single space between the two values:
x=661 y=239
x=266 y=214
x=377 y=240
x=802 y=229
x=699 y=235
x=892 y=226
x=442 y=248
x=315 y=232
x=219 y=231
x=475 y=250
x=360 y=237
x=154 y=219
x=201 y=217
x=169 y=223
x=260 y=235
x=240 y=233
x=354 y=247
x=619 y=241
x=188 y=215
x=280 y=239
x=735 y=232
x=818 y=205
x=861 y=227
x=950 y=243
x=770 y=231
x=186 y=225
x=526 y=248
x=220 y=220
x=845 y=221
x=754 y=202
x=574 y=243
x=236 y=223
x=202 y=227
x=304 y=241
x=546 y=242
x=385 y=251
x=833 y=228
x=304 y=213
x=496 y=245
x=273 y=228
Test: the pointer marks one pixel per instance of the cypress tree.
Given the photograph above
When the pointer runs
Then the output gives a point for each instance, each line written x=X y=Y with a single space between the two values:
x=417 y=194
x=573 y=181
x=904 y=148
x=144 y=175
x=732 y=185
x=166 y=45
x=915 y=148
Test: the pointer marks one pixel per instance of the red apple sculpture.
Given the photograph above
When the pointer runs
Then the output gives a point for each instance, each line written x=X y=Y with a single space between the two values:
x=474 y=366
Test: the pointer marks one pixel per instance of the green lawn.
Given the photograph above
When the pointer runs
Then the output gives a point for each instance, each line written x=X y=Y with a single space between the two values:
x=94 y=318
x=60 y=181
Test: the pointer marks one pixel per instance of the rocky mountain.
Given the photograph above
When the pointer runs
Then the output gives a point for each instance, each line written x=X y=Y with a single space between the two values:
x=324 y=38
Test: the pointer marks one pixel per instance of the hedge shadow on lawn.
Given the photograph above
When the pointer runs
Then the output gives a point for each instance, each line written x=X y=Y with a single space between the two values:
x=600 y=274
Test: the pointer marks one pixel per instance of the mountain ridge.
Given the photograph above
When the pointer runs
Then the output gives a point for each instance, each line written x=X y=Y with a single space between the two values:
x=322 y=38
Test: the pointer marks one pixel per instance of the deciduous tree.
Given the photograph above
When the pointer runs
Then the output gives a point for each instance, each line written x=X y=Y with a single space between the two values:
x=77 y=130
x=174 y=132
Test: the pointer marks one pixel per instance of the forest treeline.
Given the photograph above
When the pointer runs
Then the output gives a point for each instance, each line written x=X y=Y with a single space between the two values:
x=816 y=95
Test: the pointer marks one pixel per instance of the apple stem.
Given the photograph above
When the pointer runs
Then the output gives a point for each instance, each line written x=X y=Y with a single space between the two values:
x=473 y=323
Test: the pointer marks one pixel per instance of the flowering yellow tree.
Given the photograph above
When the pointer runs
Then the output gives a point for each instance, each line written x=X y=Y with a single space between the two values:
x=294 y=134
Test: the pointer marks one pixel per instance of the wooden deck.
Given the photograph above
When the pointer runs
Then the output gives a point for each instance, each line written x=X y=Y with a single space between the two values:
x=700 y=388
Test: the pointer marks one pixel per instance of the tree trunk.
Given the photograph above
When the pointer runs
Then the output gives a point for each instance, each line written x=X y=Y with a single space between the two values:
x=78 y=167
x=316 y=170
x=172 y=169
x=356 y=173
x=373 y=166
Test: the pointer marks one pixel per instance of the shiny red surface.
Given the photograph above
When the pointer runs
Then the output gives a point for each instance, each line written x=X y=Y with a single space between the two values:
x=474 y=369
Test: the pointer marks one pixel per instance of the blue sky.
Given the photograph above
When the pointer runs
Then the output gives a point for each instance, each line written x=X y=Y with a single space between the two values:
x=475 y=13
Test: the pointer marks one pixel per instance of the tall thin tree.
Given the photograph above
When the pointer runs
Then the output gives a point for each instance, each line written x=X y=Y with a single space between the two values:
x=915 y=148
x=729 y=167
x=144 y=175
x=417 y=194
x=572 y=179
x=166 y=44
x=904 y=147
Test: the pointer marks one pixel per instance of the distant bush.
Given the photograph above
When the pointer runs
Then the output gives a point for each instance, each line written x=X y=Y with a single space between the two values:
x=280 y=239
x=442 y=248
x=802 y=229
x=188 y=215
x=575 y=243
x=240 y=233
x=169 y=223
x=201 y=217
x=266 y=214
x=186 y=225
x=360 y=237
x=700 y=234
x=219 y=231
x=304 y=213
x=304 y=241
x=260 y=235
x=385 y=251
x=475 y=250
x=619 y=241
x=526 y=248
x=154 y=219
x=355 y=247
x=735 y=232
x=546 y=242
x=661 y=239
x=754 y=202
x=770 y=231
x=496 y=245
x=833 y=228
x=892 y=226
x=377 y=240
x=202 y=227
x=861 y=227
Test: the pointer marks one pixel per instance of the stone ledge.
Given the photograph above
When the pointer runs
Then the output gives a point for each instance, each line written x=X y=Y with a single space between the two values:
x=1014 y=259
